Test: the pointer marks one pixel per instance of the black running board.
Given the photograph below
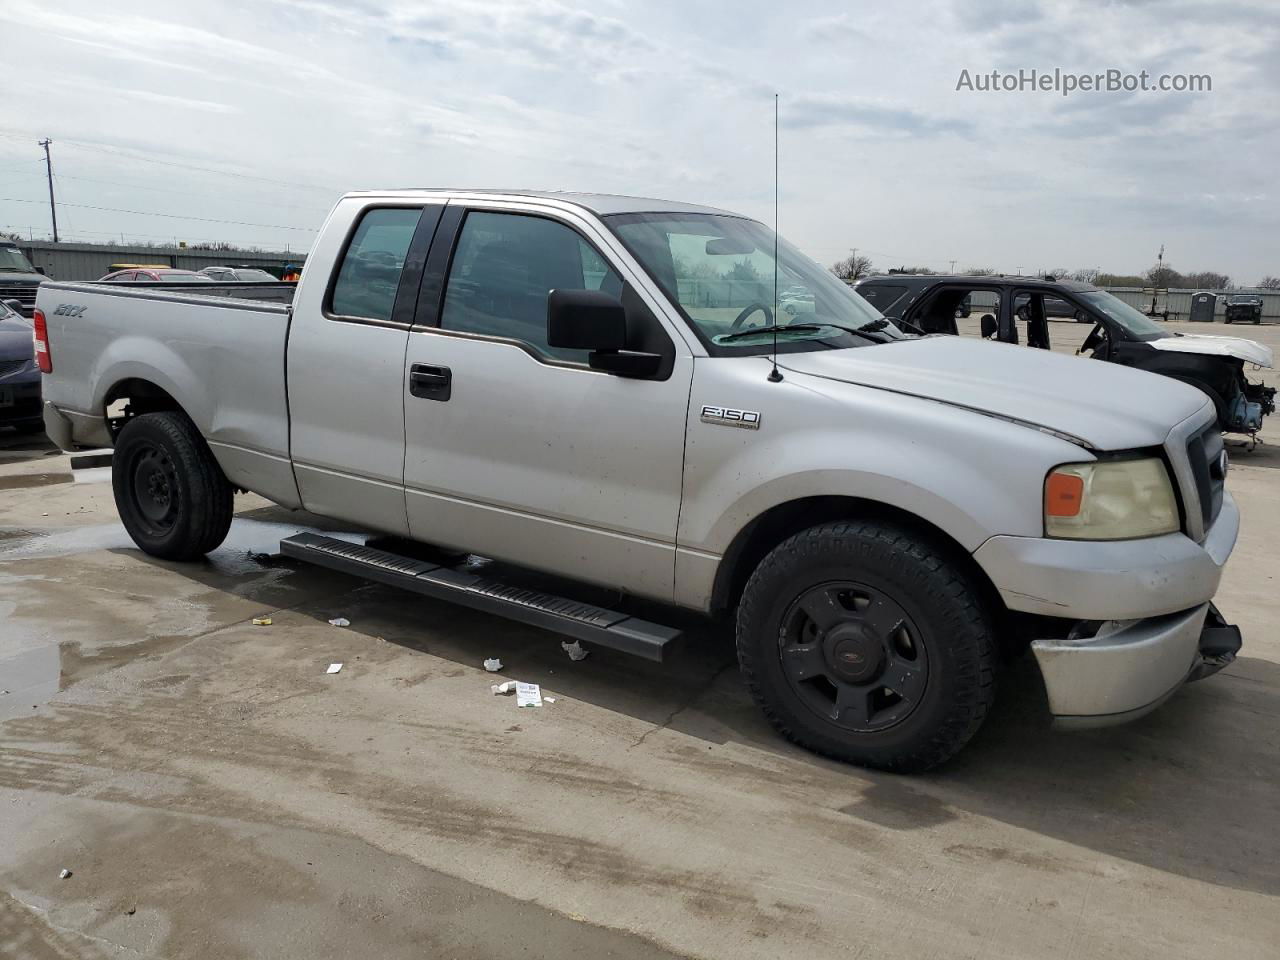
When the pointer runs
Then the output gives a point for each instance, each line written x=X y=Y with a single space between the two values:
x=584 y=621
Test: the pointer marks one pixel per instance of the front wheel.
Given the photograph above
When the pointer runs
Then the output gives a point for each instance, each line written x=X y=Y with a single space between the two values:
x=863 y=641
x=172 y=496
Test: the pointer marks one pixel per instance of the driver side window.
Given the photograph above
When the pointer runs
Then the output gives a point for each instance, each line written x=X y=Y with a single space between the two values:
x=505 y=265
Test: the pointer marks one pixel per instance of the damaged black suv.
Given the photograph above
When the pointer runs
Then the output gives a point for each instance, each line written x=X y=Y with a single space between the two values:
x=1121 y=334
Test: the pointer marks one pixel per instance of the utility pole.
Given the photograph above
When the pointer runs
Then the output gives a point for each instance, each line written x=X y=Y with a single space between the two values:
x=953 y=266
x=48 y=166
x=1155 y=281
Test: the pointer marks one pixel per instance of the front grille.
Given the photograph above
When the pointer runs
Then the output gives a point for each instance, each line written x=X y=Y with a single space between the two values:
x=1208 y=468
x=23 y=292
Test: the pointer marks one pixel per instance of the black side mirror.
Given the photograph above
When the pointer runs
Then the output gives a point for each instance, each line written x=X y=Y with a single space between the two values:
x=15 y=306
x=40 y=270
x=989 y=326
x=595 y=321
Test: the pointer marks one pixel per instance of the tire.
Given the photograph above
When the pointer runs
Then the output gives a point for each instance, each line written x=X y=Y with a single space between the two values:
x=826 y=604
x=170 y=492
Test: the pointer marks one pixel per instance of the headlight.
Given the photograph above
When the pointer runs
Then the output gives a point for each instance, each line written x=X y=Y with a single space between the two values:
x=1109 y=500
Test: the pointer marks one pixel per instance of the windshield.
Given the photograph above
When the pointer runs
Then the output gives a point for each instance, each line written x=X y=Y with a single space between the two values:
x=719 y=270
x=1137 y=325
x=12 y=261
x=258 y=276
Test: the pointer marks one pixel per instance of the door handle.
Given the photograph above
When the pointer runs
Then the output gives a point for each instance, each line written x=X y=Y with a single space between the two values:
x=430 y=383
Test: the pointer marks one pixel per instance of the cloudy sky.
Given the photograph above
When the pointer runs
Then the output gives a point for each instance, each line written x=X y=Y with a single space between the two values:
x=243 y=121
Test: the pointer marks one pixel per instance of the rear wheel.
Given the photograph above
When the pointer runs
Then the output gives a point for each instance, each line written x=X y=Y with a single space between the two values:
x=863 y=641
x=170 y=492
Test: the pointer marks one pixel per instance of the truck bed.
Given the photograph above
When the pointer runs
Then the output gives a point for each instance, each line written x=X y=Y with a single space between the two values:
x=219 y=346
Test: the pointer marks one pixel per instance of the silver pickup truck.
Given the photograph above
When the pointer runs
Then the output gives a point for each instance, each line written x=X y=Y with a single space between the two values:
x=598 y=394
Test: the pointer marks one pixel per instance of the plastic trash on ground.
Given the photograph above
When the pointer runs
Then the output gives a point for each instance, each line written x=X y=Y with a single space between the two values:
x=528 y=695
x=64 y=874
x=334 y=668
x=575 y=650
x=262 y=621
x=493 y=664
x=507 y=686
x=339 y=622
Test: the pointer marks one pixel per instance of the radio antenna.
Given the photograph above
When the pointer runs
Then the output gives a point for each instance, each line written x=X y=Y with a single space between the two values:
x=775 y=375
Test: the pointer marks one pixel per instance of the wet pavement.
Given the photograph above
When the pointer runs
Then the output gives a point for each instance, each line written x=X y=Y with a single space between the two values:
x=215 y=793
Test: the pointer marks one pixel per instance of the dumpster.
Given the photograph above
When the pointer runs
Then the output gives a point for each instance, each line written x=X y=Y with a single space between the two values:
x=1202 y=305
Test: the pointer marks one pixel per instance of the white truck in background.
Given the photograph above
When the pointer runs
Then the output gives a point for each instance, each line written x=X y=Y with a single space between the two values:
x=596 y=392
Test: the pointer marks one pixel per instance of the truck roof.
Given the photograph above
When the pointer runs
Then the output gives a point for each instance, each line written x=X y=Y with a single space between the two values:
x=601 y=204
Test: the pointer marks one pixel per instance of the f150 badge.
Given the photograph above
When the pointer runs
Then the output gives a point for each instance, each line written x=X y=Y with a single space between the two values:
x=729 y=417
x=69 y=310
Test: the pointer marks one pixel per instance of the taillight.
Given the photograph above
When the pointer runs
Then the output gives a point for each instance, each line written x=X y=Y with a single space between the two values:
x=40 y=334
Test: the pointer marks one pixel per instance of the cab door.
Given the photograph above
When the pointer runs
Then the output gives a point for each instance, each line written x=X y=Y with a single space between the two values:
x=346 y=362
x=520 y=451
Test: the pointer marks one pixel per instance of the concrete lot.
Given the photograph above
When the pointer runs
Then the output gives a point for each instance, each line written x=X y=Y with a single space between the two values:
x=216 y=794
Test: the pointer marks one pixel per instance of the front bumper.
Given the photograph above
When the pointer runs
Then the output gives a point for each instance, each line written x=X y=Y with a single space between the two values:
x=1111 y=580
x=1128 y=668
x=23 y=400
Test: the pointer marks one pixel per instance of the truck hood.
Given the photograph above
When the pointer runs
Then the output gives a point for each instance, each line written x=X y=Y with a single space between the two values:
x=1106 y=406
x=1248 y=350
x=8 y=278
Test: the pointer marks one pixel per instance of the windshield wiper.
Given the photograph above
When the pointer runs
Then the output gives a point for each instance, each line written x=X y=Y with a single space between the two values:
x=770 y=329
x=781 y=327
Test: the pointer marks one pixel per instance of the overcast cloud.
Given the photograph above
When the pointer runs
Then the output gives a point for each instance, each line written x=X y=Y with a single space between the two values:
x=303 y=99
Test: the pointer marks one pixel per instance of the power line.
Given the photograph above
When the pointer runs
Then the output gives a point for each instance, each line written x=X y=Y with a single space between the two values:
x=185 y=193
x=168 y=216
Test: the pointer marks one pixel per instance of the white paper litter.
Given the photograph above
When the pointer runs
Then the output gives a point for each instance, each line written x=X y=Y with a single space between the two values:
x=339 y=622
x=575 y=650
x=64 y=874
x=528 y=695
x=493 y=664
x=334 y=668
x=507 y=686
x=549 y=699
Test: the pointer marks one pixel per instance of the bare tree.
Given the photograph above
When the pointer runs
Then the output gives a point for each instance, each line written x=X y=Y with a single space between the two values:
x=1163 y=275
x=852 y=267
x=981 y=272
x=1206 y=280
x=1085 y=275
x=1119 y=280
x=1269 y=283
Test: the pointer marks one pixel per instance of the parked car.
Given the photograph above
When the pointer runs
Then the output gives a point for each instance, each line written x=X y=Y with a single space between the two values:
x=18 y=278
x=1243 y=308
x=238 y=274
x=19 y=377
x=1121 y=334
x=157 y=275
x=883 y=517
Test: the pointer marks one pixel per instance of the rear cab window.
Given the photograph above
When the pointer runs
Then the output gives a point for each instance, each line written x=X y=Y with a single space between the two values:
x=369 y=274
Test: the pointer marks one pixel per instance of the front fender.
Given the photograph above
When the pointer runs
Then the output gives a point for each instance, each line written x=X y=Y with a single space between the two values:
x=970 y=475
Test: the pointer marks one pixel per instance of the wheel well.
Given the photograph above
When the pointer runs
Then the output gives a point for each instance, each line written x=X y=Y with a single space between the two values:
x=768 y=530
x=134 y=397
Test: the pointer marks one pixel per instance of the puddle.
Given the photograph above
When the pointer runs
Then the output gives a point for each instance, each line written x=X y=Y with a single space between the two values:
x=22 y=481
x=28 y=679
x=248 y=544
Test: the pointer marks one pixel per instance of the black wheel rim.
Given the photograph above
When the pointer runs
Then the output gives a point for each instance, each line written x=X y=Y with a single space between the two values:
x=154 y=489
x=853 y=656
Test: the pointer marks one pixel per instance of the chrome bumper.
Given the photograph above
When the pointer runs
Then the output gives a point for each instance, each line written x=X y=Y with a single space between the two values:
x=1128 y=668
